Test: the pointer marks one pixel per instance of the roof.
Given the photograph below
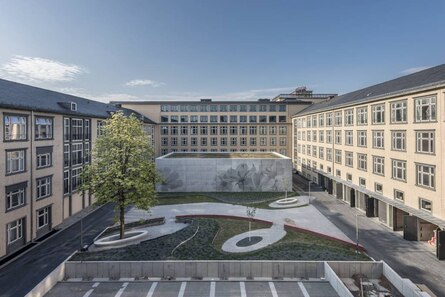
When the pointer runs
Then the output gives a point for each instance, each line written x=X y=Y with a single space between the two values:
x=228 y=102
x=15 y=95
x=428 y=78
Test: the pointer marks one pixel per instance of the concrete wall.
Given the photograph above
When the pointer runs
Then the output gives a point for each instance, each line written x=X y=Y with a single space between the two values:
x=405 y=286
x=225 y=175
x=336 y=282
x=195 y=269
x=48 y=282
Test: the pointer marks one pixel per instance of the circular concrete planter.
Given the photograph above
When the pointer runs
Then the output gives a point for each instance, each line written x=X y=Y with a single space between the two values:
x=286 y=201
x=114 y=241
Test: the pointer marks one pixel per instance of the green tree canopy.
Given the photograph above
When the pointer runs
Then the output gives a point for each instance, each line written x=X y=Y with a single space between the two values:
x=122 y=170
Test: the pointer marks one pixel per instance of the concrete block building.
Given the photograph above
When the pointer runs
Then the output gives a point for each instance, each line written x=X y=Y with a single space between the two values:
x=381 y=149
x=46 y=139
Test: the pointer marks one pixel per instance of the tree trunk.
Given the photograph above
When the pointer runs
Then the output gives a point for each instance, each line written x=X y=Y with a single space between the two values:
x=122 y=221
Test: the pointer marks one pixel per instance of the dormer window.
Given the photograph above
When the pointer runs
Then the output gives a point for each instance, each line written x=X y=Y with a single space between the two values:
x=73 y=106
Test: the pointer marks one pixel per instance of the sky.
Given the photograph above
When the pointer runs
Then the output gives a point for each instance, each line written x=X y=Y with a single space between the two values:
x=225 y=50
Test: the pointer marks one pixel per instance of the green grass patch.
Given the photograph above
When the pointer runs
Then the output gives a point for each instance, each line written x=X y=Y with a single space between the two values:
x=207 y=242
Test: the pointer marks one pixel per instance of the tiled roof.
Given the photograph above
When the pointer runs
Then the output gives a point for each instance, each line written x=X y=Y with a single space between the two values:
x=428 y=77
x=24 y=97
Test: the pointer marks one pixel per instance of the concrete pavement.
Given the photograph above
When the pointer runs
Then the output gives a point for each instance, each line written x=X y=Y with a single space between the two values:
x=411 y=259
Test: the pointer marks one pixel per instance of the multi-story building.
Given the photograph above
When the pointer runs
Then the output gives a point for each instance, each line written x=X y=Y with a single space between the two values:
x=225 y=126
x=46 y=139
x=380 y=150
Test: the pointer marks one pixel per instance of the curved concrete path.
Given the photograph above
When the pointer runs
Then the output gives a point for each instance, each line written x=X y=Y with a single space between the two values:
x=303 y=217
x=269 y=235
x=302 y=201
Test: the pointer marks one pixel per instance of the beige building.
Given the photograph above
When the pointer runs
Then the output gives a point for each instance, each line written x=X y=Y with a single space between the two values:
x=380 y=149
x=46 y=139
x=225 y=126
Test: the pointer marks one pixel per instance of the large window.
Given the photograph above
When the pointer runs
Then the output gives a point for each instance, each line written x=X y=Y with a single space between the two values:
x=349 y=138
x=75 y=178
x=399 y=170
x=338 y=117
x=362 y=162
x=328 y=136
x=43 y=217
x=337 y=137
x=426 y=175
x=425 y=109
x=44 y=188
x=379 y=165
x=329 y=119
x=338 y=156
x=15 y=127
x=321 y=120
x=399 y=140
x=378 y=139
x=328 y=154
x=361 y=138
x=398 y=112
x=15 y=196
x=44 y=160
x=378 y=114
x=66 y=182
x=15 y=230
x=321 y=136
x=44 y=128
x=362 y=115
x=77 y=154
x=76 y=129
x=349 y=159
x=15 y=161
x=321 y=152
x=349 y=117
x=425 y=142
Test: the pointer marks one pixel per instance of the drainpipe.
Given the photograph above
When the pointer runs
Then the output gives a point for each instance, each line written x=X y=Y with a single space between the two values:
x=31 y=215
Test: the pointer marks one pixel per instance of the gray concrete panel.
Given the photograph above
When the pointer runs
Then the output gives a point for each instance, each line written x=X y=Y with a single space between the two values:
x=258 y=289
x=106 y=289
x=69 y=289
x=197 y=289
x=137 y=289
x=164 y=289
x=227 y=289
x=319 y=289
x=288 y=289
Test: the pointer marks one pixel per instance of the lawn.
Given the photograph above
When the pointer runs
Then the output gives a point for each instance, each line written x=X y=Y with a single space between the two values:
x=206 y=245
x=254 y=199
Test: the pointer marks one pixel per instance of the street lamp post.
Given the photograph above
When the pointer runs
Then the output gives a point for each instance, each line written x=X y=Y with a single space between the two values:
x=310 y=192
x=356 y=232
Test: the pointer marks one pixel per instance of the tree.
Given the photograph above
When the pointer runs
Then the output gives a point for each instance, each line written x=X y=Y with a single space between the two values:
x=122 y=170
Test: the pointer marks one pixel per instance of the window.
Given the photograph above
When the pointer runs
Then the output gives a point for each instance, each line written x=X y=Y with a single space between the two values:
x=362 y=182
x=337 y=137
x=243 y=108
x=43 y=217
x=234 y=130
x=99 y=129
x=174 y=141
x=76 y=129
x=399 y=170
x=321 y=120
x=282 y=130
x=328 y=136
x=425 y=109
x=348 y=138
x=425 y=142
x=378 y=188
x=328 y=154
x=398 y=112
x=204 y=119
x=243 y=141
x=253 y=141
x=338 y=117
x=378 y=114
x=321 y=136
x=233 y=119
x=44 y=160
x=165 y=108
x=362 y=115
x=213 y=130
x=77 y=154
x=252 y=108
x=378 y=139
x=15 y=127
x=329 y=119
x=193 y=119
x=44 y=128
x=283 y=141
x=263 y=108
x=361 y=138
x=213 y=141
x=213 y=108
x=272 y=119
x=425 y=204
x=338 y=156
x=398 y=140
x=15 y=230
x=164 y=119
x=314 y=136
x=243 y=130
x=44 y=187
x=252 y=119
x=203 y=141
x=233 y=107
x=309 y=150
x=75 y=178
x=174 y=130
x=223 y=119
x=282 y=119
x=314 y=121
x=379 y=165
x=252 y=130
x=15 y=196
x=321 y=153
x=203 y=108
x=349 y=159
x=193 y=130
x=348 y=177
x=193 y=141
x=66 y=155
x=233 y=141
x=399 y=195
x=213 y=119
x=349 y=117
x=314 y=150
x=203 y=130
x=425 y=175
x=273 y=141
x=223 y=130
x=338 y=173
x=184 y=119
x=281 y=108
x=362 y=162
x=184 y=130
x=164 y=130
x=272 y=130
x=15 y=161
x=308 y=121
x=184 y=141
x=87 y=130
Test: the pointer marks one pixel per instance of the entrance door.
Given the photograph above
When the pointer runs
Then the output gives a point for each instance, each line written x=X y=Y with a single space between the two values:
x=352 y=198
x=369 y=206
x=339 y=191
x=410 y=228
x=330 y=186
x=440 y=244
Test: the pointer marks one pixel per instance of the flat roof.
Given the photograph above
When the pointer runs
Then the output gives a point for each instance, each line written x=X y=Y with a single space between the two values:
x=228 y=155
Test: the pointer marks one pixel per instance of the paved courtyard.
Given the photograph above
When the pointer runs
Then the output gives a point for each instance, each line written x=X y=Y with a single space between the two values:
x=307 y=217
x=193 y=289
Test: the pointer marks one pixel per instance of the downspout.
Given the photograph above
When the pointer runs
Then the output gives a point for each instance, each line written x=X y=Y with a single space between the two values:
x=32 y=176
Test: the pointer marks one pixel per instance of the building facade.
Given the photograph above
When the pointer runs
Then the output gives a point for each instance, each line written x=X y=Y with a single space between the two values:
x=225 y=126
x=380 y=149
x=46 y=140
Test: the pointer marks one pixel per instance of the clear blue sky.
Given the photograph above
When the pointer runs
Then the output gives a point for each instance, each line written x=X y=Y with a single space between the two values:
x=227 y=49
